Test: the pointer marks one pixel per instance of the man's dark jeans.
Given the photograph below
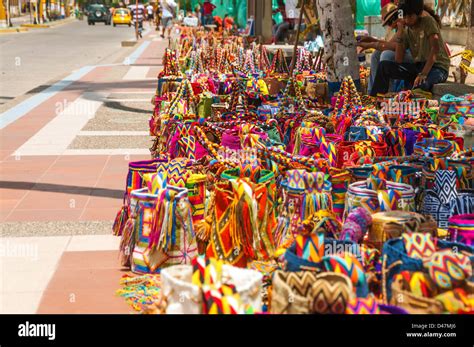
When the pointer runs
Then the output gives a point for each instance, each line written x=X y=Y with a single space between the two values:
x=405 y=71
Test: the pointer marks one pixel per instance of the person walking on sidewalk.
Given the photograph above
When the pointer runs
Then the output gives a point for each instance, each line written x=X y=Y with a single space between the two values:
x=420 y=32
x=168 y=12
x=207 y=9
x=157 y=17
x=149 y=10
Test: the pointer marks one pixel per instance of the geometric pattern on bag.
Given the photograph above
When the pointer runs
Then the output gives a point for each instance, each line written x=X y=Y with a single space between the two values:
x=301 y=281
x=134 y=181
x=360 y=195
x=418 y=245
x=144 y=260
x=331 y=293
x=164 y=232
x=445 y=185
x=219 y=297
x=235 y=229
x=448 y=269
x=346 y=264
x=463 y=204
x=432 y=206
x=308 y=292
x=418 y=283
x=363 y=306
x=444 y=201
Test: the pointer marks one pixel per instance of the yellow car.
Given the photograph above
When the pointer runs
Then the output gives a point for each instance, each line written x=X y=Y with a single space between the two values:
x=122 y=16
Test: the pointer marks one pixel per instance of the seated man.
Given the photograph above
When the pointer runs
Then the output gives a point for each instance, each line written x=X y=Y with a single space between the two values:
x=290 y=16
x=384 y=49
x=422 y=37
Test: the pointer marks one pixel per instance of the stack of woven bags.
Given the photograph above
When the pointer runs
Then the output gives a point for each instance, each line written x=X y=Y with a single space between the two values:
x=265 y=196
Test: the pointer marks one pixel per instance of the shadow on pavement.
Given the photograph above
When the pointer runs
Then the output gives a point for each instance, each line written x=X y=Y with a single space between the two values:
x=60 y=188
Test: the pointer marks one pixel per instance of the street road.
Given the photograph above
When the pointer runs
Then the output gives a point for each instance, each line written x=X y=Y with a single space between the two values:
x=33 y=59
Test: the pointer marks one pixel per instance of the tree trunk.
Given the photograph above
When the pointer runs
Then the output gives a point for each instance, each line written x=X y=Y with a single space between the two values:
x=470 y=34
x=337 y=26
x=469 y=44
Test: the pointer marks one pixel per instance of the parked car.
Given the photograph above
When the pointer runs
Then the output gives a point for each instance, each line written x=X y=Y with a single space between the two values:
x=98 y=13
x=122 y=16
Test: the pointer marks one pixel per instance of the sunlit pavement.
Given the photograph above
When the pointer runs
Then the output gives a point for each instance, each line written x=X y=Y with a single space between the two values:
x=64 y=154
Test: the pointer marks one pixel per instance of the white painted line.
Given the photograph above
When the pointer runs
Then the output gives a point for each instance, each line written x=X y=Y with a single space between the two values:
x=110 y=151
x=136 y=73
x=29 y=104
x=130 y=92
x=93 y=243
x=113 y=133
x=99 y=151
x=127 y=100
x=57 y=135
x=132 y=58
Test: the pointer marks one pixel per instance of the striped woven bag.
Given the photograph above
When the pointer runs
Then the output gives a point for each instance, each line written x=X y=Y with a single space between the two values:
x=451 y=105
x=135 y=180
x=303 y=194
x=243 y=216
x=380 y=196
x=307 y=292
x=164 y=232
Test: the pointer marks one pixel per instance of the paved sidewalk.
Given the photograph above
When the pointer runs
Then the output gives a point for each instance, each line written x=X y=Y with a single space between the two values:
x=64 y=156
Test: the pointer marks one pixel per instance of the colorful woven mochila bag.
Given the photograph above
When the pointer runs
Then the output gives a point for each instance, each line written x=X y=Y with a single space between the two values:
x=210 y=286
x=461 y=228
x=451 y=105
x=243 y=216
x=179 y=173
x=463 y=167
x=303 y=194
x=135 y=180
x=379 y=195
x=164 y=232
x=444 y=200
x=184 y=143
x=128 y=240
x=340 y=180
x=422 y=252
x=323 y=293
x=404 y=174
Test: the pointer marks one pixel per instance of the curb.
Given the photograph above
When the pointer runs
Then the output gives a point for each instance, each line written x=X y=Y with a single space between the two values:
x=48 y=25
x=13 y=30
x=35 y=26
x=62 y=21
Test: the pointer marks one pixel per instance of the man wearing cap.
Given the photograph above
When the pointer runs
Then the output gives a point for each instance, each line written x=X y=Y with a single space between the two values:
x=384 y=49
x=420 y=32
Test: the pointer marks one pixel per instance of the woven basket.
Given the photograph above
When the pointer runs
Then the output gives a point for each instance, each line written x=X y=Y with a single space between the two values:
x=379 y=231
x=413 y=303
x=185 y=297
x=396 y=260
x=358 y=195
x=307 y=292
x=461 y=228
